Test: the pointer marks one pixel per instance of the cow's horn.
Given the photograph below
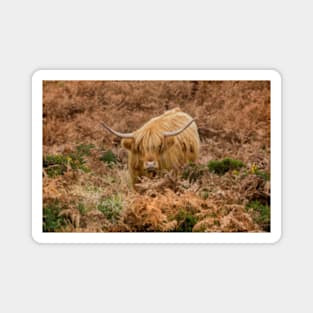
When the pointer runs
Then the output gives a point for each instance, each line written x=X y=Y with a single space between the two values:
x=114 y=132
x=178 y=131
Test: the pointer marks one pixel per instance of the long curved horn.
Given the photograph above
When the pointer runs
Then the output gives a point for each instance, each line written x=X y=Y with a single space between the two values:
x=178 y=131
x=114 y=132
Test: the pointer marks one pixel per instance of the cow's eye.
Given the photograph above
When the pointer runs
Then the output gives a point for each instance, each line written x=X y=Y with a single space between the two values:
x=137 y=149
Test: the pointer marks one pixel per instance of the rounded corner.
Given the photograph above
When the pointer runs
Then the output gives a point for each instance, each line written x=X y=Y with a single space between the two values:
x=277 y=238
x=36 y=74
x=36 y=238
x=276 y=74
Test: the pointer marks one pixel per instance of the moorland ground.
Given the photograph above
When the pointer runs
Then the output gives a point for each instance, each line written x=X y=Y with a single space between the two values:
x=86 y=187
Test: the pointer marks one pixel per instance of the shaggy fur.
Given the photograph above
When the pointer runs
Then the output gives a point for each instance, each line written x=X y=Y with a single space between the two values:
x=168 y=153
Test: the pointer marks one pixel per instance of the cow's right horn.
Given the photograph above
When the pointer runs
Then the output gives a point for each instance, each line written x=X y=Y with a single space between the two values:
x=114 y=132
x=178 y=131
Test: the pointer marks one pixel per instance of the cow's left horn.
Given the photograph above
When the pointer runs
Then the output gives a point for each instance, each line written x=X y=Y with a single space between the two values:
x=178 y=131
x=114 y=132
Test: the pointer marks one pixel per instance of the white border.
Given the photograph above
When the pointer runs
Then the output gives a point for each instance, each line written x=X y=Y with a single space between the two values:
x=41 y=75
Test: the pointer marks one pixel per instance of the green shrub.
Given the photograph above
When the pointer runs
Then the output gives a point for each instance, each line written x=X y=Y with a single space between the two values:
x=58 y=164
x=84 y=149
x=111 y=207
x=81 y=208
x=261 y=214
x=225 y=165
x=51 y=220
x=55 y=164
x=193 y=172
x=108 y=157
x=266 y=176
x=185 y=221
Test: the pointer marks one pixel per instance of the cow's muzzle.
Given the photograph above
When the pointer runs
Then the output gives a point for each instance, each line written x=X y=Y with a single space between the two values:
x=151 y=168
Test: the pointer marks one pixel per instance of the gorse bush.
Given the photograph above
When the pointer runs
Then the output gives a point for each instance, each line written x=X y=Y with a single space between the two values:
x=58 y=164
x=265 y=175
x=55 y=165
x=225 y=165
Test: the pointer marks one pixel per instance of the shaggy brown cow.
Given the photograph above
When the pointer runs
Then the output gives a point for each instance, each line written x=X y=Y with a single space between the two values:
x=165 y=142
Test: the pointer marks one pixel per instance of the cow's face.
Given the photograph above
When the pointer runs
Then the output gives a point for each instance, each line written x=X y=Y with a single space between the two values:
x=147 y=146
x=146 y=153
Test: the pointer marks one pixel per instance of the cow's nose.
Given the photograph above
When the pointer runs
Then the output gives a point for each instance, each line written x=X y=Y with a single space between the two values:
x=150 y=164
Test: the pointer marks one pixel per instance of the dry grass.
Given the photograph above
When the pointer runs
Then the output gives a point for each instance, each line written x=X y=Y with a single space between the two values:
x=84 y=192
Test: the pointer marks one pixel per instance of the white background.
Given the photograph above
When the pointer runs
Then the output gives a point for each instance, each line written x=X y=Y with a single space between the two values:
x=162 y=278
x=41 y=75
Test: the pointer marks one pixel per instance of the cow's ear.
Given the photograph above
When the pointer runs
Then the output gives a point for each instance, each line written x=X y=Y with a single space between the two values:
x=128 y=143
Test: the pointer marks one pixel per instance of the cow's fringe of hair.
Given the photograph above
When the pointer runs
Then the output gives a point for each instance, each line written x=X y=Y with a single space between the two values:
x=149 y=138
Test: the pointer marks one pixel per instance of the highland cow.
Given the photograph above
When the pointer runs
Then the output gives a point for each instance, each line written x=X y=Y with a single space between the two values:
x=166 y=142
